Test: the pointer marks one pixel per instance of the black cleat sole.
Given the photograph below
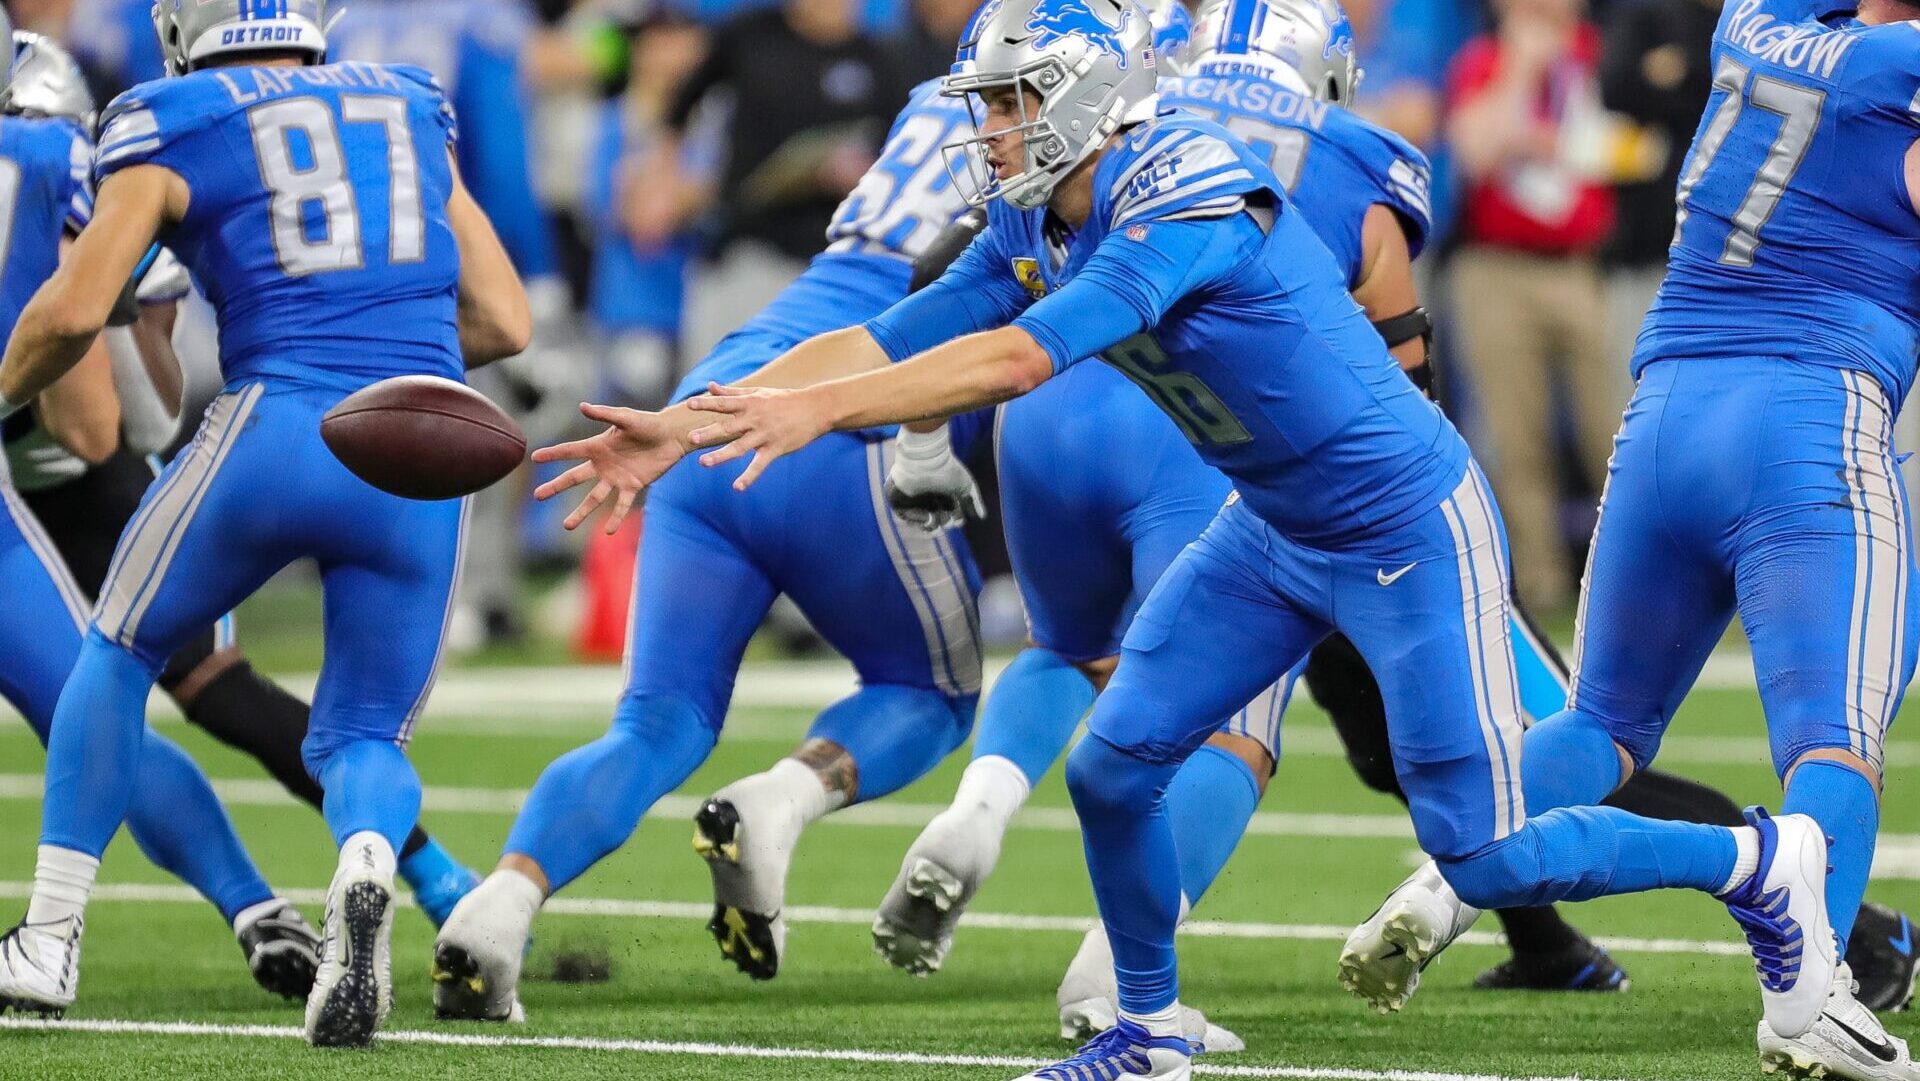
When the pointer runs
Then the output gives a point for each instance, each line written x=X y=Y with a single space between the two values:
x=745 y=938
x=459 y=986
x=351 y=1011
x=288 y=973
x=27 y=1006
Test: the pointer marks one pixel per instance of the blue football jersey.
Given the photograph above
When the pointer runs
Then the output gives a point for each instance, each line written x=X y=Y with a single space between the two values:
x=317 y=224
x=905 y=200
x=44 y=194
x=1796 y=237
x=473 y=48
x=1254 y=347
x=1334 y=165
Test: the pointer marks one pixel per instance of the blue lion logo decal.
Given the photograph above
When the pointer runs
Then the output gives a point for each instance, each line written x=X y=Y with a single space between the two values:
x=1058 y=20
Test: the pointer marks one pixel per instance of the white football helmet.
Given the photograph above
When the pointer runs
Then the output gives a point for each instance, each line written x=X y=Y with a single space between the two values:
x=1090 y=63
x=47 y=82
x=193 y=30
x=1306 y=44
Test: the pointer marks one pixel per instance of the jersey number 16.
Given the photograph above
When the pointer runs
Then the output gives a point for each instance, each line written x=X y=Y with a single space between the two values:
x=321 y=182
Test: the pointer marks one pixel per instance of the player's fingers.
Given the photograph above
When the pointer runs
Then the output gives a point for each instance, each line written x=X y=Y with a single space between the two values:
x=620 y=508
x=606 y=414
x=976 y=504
x=709 y=435
x=564 y=452
x=709 y=403
x=762 y=458
x=722 y=390
x=588 y=504
x=574 y=477
x=727 y=453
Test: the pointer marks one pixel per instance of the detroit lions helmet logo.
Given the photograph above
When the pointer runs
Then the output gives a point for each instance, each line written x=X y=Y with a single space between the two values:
x=1058 y=20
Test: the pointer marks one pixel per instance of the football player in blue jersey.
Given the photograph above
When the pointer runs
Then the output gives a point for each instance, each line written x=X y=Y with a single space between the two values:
x=1755 y=472
x=1356 y=505
x=895 y=601
x=83 y=503
x=45 y=199
x=319 y=206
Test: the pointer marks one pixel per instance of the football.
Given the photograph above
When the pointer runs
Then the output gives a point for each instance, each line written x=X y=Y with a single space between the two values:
x=423 y=437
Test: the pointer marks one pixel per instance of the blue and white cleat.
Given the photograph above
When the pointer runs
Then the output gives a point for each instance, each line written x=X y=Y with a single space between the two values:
x=1125 y=1052
x=1782 y=908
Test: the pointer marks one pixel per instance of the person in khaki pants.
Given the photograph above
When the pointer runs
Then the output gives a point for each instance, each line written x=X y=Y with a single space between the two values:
x=1527 y=285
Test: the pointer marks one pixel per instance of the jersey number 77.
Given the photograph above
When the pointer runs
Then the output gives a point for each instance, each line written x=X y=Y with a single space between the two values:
x=1798 y=108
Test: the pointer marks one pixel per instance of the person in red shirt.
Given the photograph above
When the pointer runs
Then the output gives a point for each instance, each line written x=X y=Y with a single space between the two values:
x=1524 y=118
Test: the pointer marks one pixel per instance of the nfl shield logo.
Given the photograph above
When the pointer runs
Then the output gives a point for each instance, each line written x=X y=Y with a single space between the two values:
x=1136 y=232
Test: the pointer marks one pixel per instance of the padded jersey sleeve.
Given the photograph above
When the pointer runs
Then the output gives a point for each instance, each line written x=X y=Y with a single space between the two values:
x=1133 y=279
x=1405 y=180
x=1179 y=172
x=978 y=292
x=130 y=134
x=80 y=177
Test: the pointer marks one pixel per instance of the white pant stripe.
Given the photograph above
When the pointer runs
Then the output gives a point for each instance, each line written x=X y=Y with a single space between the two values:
x=1496 y=623
x=147 y=550
x=446 y=620
x=1489 y=652
x=43 y=550
x=1876 y=632
x=939 y=596
x=1586 y=584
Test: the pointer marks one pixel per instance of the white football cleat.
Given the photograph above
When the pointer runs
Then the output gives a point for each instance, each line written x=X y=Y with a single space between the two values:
x=1125 y=1052
x=1782 y=907
x=747 y=833
x=354 y=988
x=1089 y=1001
x=944 y=868
x=1383 y=958
x=1846 y=1041
x=477 y=956
x=40 y=967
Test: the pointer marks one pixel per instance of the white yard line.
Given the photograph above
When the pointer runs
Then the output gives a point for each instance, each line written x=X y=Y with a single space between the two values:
x=1896 y=857
x=862 y=917
x=719 y=1050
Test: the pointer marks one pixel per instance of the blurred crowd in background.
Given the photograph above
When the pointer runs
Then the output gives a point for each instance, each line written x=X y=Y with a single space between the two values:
x=659 y=169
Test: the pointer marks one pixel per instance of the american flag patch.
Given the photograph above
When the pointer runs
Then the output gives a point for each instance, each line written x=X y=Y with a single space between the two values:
x=1136 y=232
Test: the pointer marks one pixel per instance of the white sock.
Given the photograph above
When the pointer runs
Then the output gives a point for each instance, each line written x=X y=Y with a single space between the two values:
x=517 y=889
x=1747 y=864
x=799 y=786
x=62 y=882
x=368 y=850
x=1160 y=1023
x=995 y=786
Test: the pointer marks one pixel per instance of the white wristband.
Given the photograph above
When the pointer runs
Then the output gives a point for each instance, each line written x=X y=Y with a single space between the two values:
x=923 y=447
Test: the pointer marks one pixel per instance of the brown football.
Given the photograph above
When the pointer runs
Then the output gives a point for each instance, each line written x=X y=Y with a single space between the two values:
x=423 y=437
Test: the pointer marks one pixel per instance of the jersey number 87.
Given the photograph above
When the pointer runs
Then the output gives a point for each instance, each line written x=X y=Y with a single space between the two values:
x=322 y=180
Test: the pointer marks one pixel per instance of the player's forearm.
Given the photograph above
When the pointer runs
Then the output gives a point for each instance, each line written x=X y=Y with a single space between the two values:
x=81 y=410
x=50 y=338
x=970 y=373
x=825 y=357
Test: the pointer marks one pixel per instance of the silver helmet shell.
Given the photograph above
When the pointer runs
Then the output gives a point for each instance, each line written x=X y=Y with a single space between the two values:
x=1307 y=44
x=194 y=30
x=47 y=81
x=1089 y=63
x=6 y=71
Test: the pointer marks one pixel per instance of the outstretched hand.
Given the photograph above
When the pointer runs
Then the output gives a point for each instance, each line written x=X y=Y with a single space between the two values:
x=622 y=461
x=765 y=422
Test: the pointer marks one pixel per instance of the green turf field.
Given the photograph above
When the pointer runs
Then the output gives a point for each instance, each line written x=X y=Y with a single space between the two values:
x=1264 y=967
